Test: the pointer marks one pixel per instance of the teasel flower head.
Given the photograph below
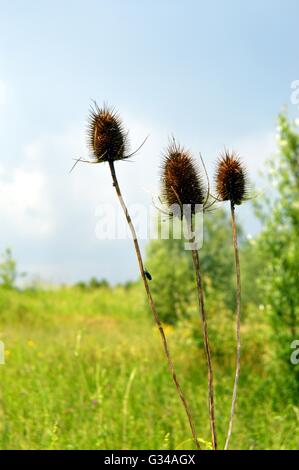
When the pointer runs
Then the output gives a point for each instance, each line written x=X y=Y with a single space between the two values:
x=181 y=182
x=106 y=137
x=231 y=179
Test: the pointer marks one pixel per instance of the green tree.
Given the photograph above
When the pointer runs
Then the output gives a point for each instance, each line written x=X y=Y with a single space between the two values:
x=8 y=269
x=278 y=246
x=171 y=268
x=217 y=257
x=173 y=281
x=279 y=241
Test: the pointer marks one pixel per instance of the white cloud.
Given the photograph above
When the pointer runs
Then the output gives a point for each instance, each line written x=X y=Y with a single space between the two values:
x=33 y=195
x=48 y=215
x=23 y=203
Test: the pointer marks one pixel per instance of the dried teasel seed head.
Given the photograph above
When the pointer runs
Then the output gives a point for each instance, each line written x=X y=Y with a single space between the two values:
x=231 y=179
x=181 y=182
x=106 y=137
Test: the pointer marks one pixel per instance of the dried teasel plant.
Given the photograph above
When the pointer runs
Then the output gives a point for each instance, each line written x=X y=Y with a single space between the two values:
x=232 y=185
x=182 y=183
x=108 y=142
x=107 y=139
x=183 y=187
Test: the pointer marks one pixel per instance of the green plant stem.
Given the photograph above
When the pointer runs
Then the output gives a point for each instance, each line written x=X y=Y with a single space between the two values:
x=152 y=306
x=201 y=304
x=238 y=328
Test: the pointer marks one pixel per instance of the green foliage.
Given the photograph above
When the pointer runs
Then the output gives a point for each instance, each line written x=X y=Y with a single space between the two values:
x=8 y=270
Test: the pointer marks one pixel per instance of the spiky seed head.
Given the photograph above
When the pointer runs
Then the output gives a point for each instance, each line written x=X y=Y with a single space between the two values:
x=181 y=181
x=106 y=137
x=231 y=178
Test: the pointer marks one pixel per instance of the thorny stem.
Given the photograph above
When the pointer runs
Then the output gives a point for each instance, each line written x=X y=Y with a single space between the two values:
x=238 y=358
x=201 y=304
x=152 y=306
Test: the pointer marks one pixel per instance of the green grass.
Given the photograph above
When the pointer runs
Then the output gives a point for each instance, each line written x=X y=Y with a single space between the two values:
x=85 y=370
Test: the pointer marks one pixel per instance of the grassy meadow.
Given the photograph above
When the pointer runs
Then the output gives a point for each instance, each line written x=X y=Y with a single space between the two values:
x=85 y=370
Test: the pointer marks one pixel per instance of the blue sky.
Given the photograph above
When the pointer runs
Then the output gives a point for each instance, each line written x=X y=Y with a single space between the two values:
x=213 y=74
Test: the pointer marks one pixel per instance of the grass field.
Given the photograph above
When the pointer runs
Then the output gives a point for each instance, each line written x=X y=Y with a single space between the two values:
x=85 y=370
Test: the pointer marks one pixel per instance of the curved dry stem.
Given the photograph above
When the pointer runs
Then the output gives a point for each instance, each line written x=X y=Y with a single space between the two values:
x=138 y=148
x=152 y=306
x=208 y=180
x=238 y=356
x=203 y=315
x=77 y=160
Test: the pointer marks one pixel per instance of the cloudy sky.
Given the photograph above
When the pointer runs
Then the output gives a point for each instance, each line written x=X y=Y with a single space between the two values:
x=213 y=74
